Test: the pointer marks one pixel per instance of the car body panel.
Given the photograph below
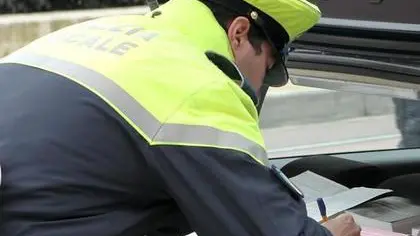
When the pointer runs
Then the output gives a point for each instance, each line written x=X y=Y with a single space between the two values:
x=364 y=46
x=370 y=47
x=405 y=11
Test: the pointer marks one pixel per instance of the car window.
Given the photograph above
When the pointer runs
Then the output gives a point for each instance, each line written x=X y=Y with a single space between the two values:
x=299 y=120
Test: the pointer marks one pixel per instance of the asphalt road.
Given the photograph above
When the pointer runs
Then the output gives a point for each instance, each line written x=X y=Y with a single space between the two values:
x=358 y=134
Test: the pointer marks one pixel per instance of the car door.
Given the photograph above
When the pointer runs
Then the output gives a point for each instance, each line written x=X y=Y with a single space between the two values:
x=361 y=46
x=366 y=38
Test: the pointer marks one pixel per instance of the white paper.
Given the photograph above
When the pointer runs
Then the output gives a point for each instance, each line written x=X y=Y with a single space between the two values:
x=314 y=186
x=344 y=200
x=337 y=197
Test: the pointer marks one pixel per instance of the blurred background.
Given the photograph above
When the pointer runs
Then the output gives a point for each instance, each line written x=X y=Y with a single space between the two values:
x=28 y=6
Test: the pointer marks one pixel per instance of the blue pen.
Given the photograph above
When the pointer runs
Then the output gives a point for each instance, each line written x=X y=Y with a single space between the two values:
x=322 y=209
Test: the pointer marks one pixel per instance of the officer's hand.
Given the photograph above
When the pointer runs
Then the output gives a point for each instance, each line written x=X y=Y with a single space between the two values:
x=343 y=225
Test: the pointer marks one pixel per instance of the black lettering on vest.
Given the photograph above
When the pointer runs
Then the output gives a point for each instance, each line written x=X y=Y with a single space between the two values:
x=102 y=46
x=123 y=48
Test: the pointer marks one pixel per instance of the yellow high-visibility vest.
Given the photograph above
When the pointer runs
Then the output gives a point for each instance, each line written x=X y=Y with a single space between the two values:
x=154 y=72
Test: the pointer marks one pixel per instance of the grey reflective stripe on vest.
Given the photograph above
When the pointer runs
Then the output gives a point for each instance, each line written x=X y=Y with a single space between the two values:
x=166 y=133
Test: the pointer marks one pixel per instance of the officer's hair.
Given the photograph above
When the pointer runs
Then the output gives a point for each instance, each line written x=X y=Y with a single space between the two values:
x=224 y=16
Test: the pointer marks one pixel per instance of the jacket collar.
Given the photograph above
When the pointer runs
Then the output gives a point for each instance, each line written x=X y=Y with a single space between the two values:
x=196 y=21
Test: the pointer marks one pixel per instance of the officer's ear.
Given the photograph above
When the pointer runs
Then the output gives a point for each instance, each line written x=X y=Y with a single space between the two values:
x=238 y=32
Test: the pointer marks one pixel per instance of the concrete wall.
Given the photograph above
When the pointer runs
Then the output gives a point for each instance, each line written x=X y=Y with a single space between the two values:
x=19 y=29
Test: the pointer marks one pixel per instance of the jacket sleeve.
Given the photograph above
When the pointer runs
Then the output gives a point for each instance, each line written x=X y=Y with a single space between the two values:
x=227 y=193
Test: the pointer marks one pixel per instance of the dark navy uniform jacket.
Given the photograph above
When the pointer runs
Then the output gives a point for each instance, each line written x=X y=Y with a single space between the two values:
x=71 y=166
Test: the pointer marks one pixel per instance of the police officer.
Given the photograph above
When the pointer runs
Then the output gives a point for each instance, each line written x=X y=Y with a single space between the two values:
x=148 y=125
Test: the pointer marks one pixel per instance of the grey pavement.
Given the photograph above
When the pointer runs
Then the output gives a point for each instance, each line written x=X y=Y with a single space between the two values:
x=309 y=105
x=348 y=135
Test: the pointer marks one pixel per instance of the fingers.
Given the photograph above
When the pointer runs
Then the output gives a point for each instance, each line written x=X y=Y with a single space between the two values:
x=358 y=230
x=354 y=228
x=349 y=219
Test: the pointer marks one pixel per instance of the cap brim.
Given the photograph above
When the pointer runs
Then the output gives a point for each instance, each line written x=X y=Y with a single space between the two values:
x=278 y=75
x=295 y=16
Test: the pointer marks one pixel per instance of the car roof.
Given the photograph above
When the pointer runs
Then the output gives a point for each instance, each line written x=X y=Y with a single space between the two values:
x=364 y=46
